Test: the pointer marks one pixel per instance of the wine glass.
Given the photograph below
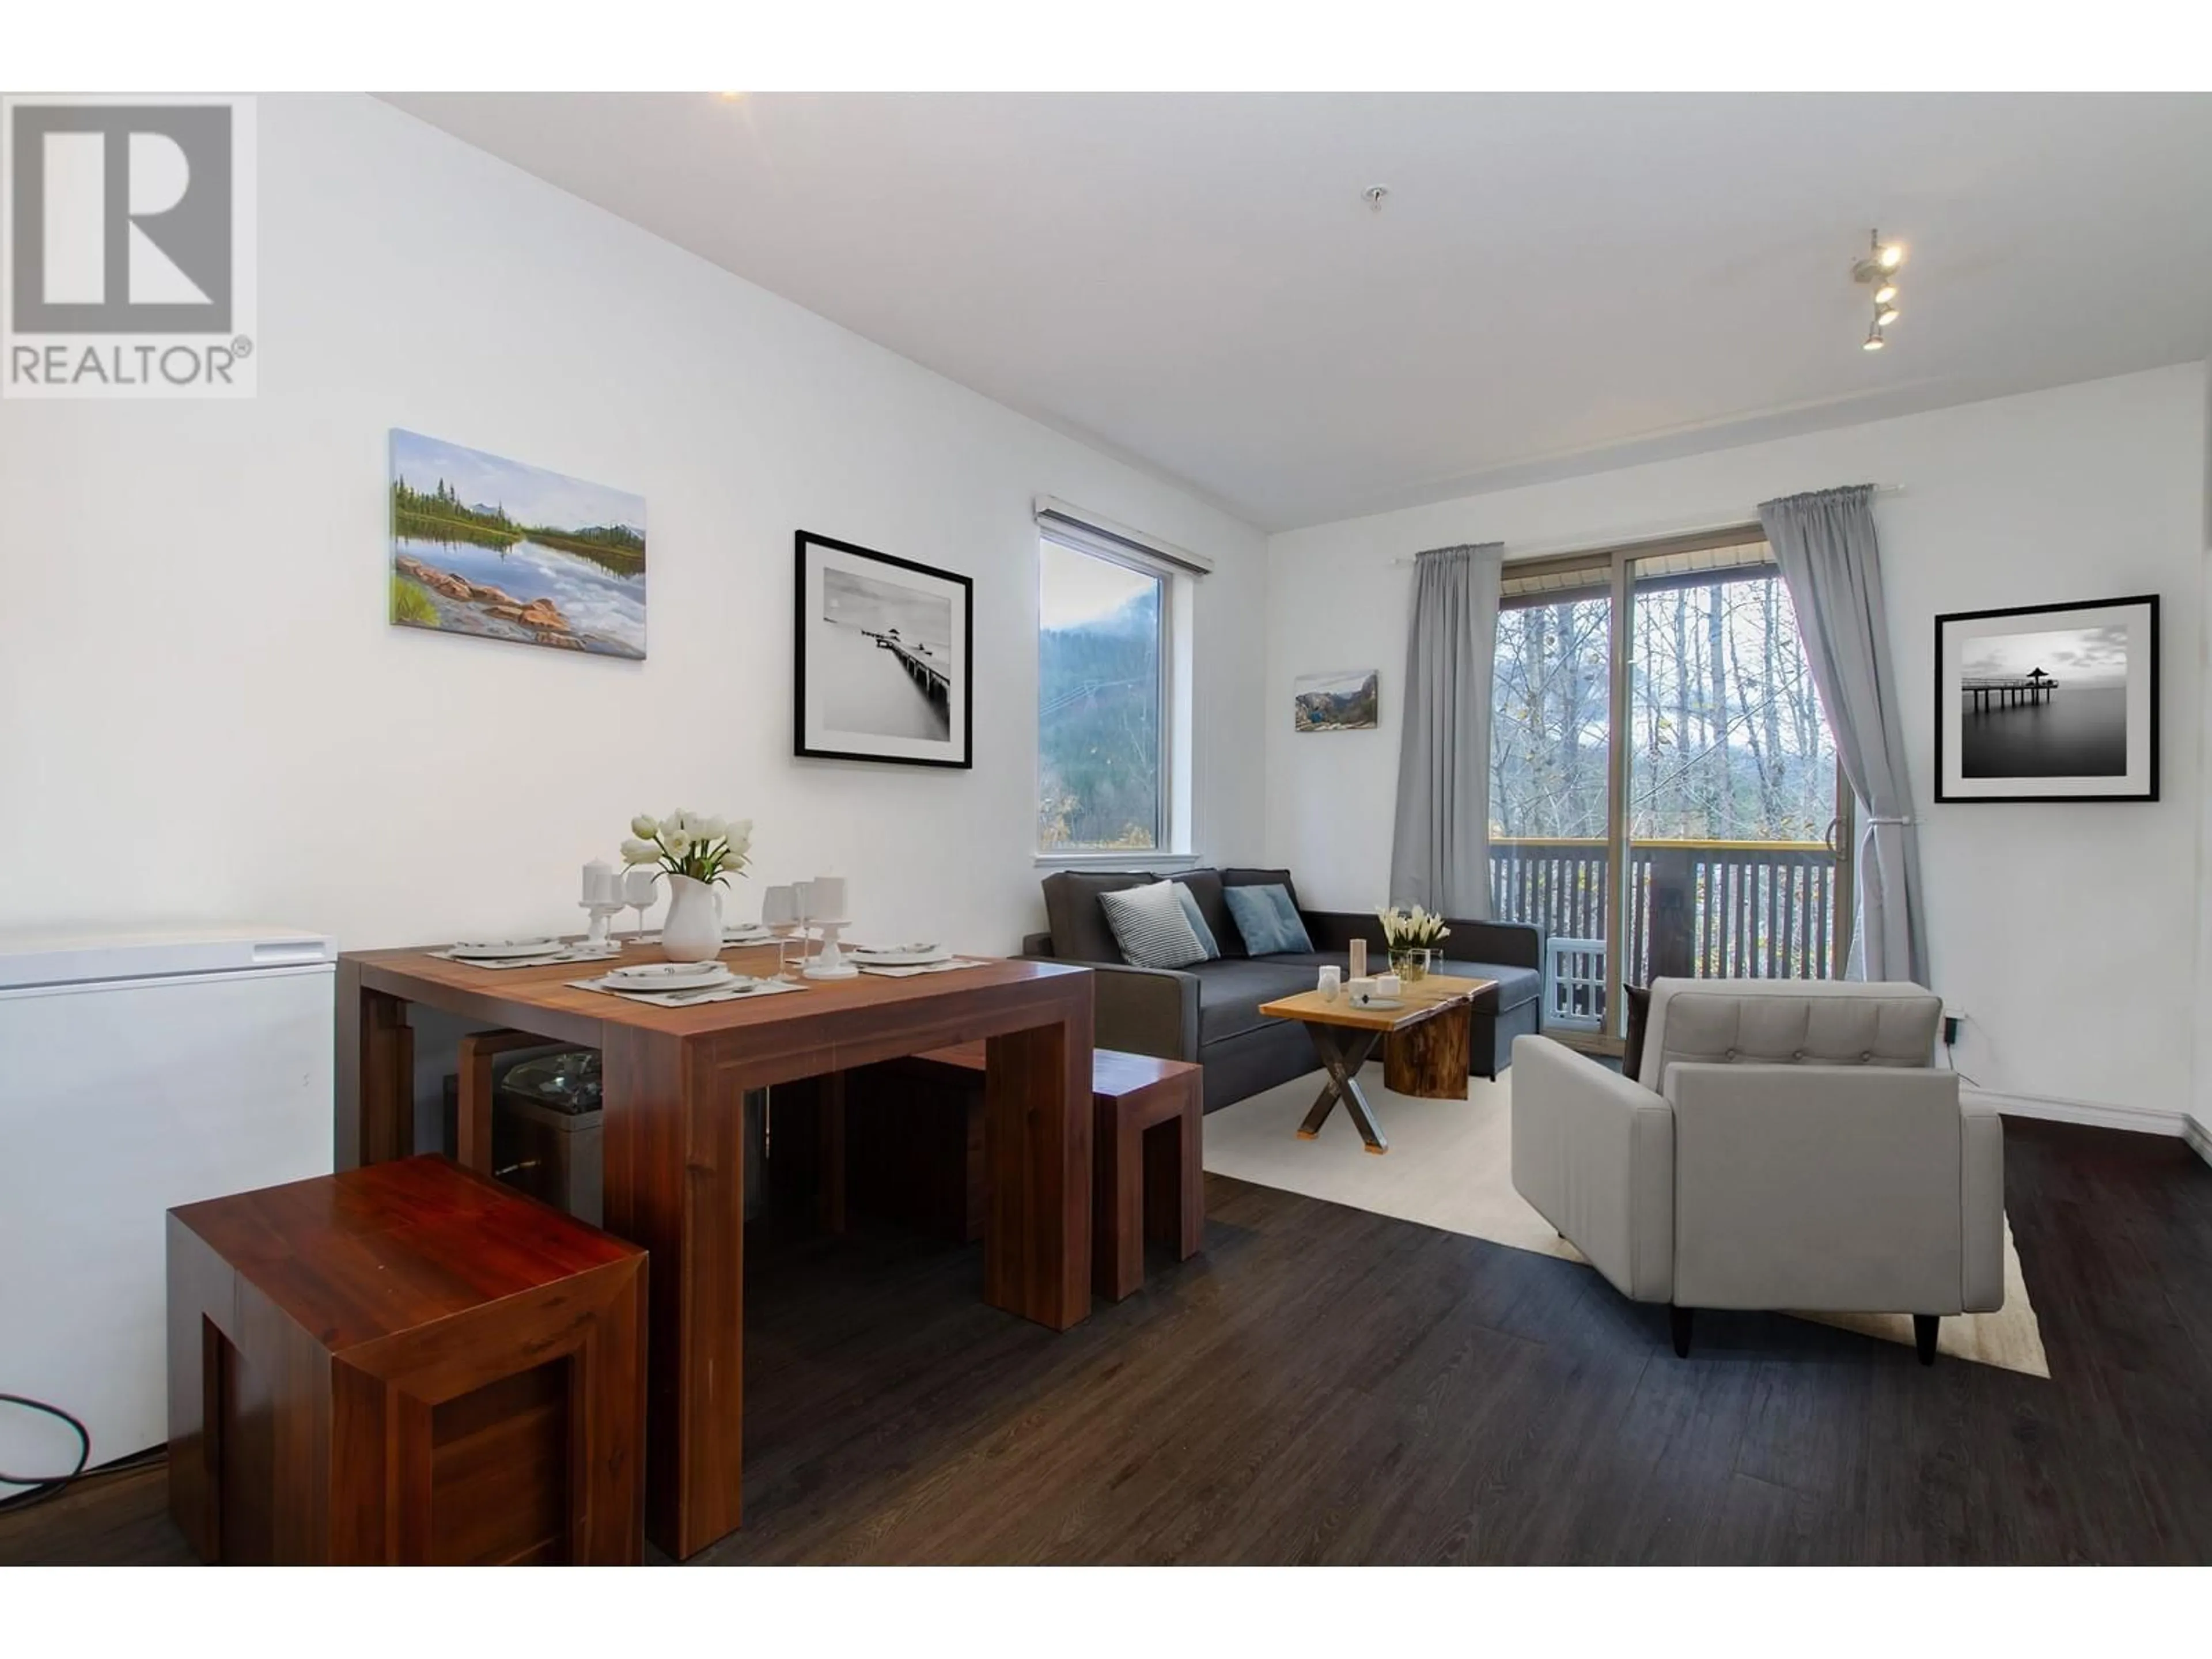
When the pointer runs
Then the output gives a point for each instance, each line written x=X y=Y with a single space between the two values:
x=779 y=915
x=638 y=891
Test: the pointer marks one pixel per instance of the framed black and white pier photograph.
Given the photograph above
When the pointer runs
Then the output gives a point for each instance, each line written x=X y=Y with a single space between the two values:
x=883 y=663
x=2047 y=702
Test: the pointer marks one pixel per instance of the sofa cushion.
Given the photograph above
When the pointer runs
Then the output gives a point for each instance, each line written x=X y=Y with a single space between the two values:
x=1151 y=925
x=1078 y=928
x=1204 y=886
x=1199 y=925
x=1267 y=919
x=1232 y=944
x=1230 y=992
x=1516 y=986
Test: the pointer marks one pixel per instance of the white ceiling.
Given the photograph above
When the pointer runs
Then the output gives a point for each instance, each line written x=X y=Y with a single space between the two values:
x=1557 y=283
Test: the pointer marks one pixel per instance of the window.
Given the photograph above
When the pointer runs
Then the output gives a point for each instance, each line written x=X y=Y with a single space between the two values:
x=1104 y=662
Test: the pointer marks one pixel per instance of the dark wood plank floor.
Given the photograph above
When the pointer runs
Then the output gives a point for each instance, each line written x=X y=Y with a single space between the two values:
x=1328 y=1386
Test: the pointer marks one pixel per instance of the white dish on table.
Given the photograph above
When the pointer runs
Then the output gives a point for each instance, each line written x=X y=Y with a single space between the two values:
x=668 y=976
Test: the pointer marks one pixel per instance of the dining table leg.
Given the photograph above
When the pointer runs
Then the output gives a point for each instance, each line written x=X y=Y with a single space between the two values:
x=373 y=1107
x=675 y=1157
x=1036 y=1150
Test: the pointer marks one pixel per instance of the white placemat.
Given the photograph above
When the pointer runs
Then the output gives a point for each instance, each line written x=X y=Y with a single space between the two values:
x=738 y=992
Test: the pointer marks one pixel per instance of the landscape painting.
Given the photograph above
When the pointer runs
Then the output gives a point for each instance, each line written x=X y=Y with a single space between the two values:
x=1346 y=701
x=882 y=657
x=502 y=550
x=2049 y=702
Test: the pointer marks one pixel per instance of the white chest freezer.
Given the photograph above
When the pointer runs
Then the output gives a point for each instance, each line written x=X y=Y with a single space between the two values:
x=136 y=1072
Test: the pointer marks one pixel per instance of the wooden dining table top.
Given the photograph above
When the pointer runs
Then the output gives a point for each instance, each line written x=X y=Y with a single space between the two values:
x=543 y=998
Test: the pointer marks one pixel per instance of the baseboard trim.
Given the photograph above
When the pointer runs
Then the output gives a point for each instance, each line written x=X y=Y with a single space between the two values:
x=2198 y=1137
x=2138 y=1120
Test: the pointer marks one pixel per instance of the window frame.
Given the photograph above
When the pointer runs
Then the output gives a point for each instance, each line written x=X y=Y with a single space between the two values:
x=1169 y=847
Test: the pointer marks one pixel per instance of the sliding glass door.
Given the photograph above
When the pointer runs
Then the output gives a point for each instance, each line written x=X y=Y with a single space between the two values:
x=1665 y=799
x=1731 y=780
x=1550 y=777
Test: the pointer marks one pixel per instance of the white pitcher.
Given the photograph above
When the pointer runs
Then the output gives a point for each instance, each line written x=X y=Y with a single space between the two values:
x=693 y=932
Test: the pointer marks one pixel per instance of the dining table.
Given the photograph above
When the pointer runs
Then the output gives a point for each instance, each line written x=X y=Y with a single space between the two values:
x=674 y=1084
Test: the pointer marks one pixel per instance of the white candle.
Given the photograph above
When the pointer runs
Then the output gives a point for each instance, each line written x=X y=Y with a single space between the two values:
x=600 y=884
x=825 y=897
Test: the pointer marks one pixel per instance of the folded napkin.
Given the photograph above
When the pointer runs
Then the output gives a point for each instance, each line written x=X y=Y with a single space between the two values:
x=923 y=968
x=575 y=953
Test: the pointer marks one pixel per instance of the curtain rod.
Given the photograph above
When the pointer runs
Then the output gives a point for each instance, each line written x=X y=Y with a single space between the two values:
x=1607 y=540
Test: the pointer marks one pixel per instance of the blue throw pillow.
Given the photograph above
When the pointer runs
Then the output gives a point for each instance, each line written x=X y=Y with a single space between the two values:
x=1268 y=920
x=1197 y=919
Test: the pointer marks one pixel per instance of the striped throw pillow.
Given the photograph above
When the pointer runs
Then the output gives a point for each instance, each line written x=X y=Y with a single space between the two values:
x=1150 y=924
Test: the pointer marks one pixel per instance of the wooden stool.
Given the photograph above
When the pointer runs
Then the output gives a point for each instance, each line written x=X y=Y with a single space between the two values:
x=1148 y=1176
x=407 y=1363
x=1147 y=1165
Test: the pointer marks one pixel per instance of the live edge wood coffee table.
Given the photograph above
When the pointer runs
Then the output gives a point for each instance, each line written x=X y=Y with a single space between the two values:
x=1427 y=1056
x=675 y=1081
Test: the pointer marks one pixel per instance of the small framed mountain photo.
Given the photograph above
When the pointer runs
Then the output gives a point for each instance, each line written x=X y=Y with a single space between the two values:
x=883 y=661
x=1340 y=700
x=2047 y=702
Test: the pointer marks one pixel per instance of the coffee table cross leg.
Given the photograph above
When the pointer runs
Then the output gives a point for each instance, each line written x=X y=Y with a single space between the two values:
x=1342 y=1052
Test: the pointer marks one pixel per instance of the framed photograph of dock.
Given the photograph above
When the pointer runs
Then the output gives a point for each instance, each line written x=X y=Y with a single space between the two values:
x=2047 y=702
x=883 y=659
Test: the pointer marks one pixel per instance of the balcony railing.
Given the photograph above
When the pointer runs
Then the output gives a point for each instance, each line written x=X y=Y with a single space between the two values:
x=1709 y=909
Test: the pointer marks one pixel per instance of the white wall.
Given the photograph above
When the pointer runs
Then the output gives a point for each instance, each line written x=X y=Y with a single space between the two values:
x=2069 y=933
x=204 y=713
x=2200 y=1105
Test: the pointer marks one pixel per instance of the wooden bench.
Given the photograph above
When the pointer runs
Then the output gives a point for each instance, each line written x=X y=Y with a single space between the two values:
x=407 y=1363
x=904 y=1139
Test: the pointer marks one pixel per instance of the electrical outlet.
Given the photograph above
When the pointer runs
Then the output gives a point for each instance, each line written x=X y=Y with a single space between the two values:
x=1951 y=1024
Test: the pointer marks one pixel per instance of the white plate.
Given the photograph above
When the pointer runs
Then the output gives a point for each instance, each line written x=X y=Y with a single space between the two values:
x=918 y=955
x=747 y=936
x=668 y=975
x=503 y=950
x=1385 y=1003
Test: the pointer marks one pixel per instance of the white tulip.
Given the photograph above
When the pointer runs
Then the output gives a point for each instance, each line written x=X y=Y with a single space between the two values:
x=643 y=826
x=709 y=829
x=676 y=841
x=639 y=852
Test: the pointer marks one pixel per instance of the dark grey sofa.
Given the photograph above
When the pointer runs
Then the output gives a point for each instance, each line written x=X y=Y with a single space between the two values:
x=1210 y=1011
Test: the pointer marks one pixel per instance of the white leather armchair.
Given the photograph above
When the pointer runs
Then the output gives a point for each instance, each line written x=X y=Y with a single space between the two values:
x=1786 y=1145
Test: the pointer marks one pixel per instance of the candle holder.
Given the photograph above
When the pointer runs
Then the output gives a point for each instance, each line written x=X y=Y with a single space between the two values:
x=596 y=942
x=829 y=962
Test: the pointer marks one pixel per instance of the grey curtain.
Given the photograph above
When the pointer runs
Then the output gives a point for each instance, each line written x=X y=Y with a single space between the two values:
x=1440 y=850
x=1825 y=543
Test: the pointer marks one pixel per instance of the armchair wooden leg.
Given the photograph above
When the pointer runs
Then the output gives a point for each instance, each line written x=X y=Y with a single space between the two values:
x=1678 y=1321
x=1924 y=1336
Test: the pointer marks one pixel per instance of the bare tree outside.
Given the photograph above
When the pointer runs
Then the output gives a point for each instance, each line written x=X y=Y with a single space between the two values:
x=1731 y=769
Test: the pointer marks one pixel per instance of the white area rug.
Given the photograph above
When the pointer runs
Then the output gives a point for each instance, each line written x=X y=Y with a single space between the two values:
x=1450 y=1166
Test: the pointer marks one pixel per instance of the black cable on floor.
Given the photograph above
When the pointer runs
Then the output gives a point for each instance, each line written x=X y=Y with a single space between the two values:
x=41 y=1487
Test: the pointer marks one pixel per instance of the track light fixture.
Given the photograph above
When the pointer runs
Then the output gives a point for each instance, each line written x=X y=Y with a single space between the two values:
x=1877 y=270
